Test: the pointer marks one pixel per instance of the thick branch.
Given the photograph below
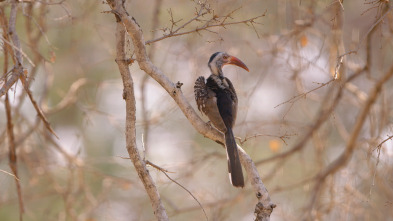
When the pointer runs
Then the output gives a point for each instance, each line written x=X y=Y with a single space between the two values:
x=351 y=144
x=129 y=97
x=264 y=206
x=323 y=115
x=343 y=159
x=146 y=65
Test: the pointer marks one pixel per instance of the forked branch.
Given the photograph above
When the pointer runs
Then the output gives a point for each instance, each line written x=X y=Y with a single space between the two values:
x=129 y=97
x=135 y=32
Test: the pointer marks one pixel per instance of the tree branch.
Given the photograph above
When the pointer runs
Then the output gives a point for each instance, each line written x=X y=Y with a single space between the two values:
x=208 y=131
x=214 y=21
x=129 y=97
x=343 y=159
x=15 y=51
x=323 y=115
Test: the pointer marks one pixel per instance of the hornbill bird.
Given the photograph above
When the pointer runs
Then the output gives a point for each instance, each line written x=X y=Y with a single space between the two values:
x=216 y=98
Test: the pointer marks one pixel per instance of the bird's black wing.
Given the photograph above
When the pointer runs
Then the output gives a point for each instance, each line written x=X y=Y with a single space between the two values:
x=235 y=101
x=206 y=100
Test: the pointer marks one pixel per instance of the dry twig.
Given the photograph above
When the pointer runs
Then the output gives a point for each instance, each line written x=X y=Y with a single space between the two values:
x=207 y=25
x=343 y=159
x=164 y=171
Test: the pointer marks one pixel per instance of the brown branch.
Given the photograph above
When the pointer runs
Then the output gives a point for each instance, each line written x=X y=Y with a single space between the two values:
x=12 y=155
x=15 y=54
x=10 y=127
x=201 y=12
x=19 y=50
x=34 y=37
x=367 y=36
x=378 y=148
x=322 y=117
x=304 y=95
x=164 y=171
x=129 y=97
x=135 y=32
x=17 y=71
x=13 y=35
x=69 y=99
x=384 y=141
x=282 y=137
x=343 y=159
x=205 y=27
x=10 y=174
x=214 y=21
x=36 y=107
x=373 y=26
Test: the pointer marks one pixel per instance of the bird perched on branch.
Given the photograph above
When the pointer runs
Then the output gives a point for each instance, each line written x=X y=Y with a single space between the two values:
x=216 y=98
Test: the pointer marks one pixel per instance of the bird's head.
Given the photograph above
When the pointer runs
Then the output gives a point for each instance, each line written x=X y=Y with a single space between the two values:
x=219 y=59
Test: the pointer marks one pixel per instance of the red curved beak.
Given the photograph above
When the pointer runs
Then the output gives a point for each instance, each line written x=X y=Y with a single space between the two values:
x=235 y=61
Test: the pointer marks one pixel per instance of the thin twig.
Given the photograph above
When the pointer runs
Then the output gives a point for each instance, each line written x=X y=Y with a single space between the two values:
x=343 y=159
x=373 y=26
x=321 y=118
x=378 y=148
x=214 y=21
x=282 y=137
x=19 y=50
x=164 y=171
x=304 y=95
x=37 y=108
x=13 y=175
x=70 y=97
x=205 y=27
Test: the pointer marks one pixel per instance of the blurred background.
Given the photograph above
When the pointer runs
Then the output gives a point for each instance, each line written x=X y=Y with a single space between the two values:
x=293 y=50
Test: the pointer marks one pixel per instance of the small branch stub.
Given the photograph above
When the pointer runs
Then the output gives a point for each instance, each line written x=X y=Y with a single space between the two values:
x=124 y=94
x=179 y=84
x=261 y=212
x=178 y=88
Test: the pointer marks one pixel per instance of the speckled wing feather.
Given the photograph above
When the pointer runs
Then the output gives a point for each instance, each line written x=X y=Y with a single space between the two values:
x=201 y=93
x=207 y=103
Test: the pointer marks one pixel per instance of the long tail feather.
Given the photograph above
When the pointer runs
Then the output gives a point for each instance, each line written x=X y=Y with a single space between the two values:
x=234 y=166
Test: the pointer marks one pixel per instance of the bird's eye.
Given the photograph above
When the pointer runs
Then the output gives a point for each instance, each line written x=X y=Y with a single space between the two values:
x=226 y=57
